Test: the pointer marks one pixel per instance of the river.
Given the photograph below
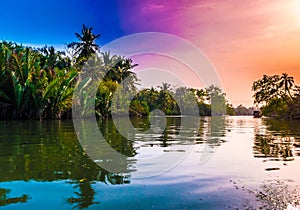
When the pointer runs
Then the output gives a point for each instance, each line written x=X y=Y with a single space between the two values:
x=226 y=163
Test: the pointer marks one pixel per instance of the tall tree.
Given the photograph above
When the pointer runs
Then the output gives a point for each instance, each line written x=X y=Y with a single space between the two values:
x=120 y=71
x=86 y=45
x=266 y=89
x=217 y=100
x=287 y=83
x=278 y=95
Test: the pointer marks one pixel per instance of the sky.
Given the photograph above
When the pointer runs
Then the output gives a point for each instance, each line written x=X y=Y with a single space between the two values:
x=242 y=40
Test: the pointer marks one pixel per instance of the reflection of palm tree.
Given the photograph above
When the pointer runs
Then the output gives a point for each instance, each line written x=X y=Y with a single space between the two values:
x=85 y=196
x=217 y=127
x=268 y=146
x=116 y=140
x=277 y=143
x=6 y=201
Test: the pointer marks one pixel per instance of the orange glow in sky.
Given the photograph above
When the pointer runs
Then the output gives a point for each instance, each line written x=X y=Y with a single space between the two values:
x=244 y=40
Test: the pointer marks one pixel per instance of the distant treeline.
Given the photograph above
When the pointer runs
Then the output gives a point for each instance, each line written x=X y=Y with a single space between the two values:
x=243 y=111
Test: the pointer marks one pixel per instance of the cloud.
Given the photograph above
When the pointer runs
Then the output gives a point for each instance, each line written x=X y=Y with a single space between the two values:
x=153 y=8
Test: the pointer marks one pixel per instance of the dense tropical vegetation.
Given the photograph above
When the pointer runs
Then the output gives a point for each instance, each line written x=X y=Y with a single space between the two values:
x=38 y=83
x=279 y=96
x=34 y=83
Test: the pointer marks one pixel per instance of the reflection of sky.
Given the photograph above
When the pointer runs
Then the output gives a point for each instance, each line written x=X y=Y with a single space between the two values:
x=225 y=178
x=243 y=41
x=52 y=195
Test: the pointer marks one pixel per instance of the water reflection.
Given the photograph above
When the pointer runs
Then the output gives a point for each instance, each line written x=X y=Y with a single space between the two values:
x=275 y=148
x=277 y=140
x=44 y=151
x=211 y=135
x=178 y=138
x=4 y=200
x=85 y=196
x=48 y=151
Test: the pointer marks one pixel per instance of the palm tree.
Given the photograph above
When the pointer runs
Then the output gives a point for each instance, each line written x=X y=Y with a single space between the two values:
x=125 y=75
x=200 y=94
x=50 y=59
x=165 y=100
x=165 y=86
x=119 y=70
x=266 y=89
x=217 y=100
x=286 y=82
x=86 y=45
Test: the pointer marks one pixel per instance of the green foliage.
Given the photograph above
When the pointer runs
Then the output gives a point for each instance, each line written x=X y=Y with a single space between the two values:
x=217 y=100
x=32 y=85
x=279 y=96
x=57 y=95
x=277 y=107
x=168 y=100
x=273 y=87
x=39 y=83
x=230 y=110
x=138 y=108
x=266 y=89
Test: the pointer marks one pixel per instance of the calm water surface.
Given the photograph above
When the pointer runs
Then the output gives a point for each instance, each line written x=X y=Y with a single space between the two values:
x=233 y=163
